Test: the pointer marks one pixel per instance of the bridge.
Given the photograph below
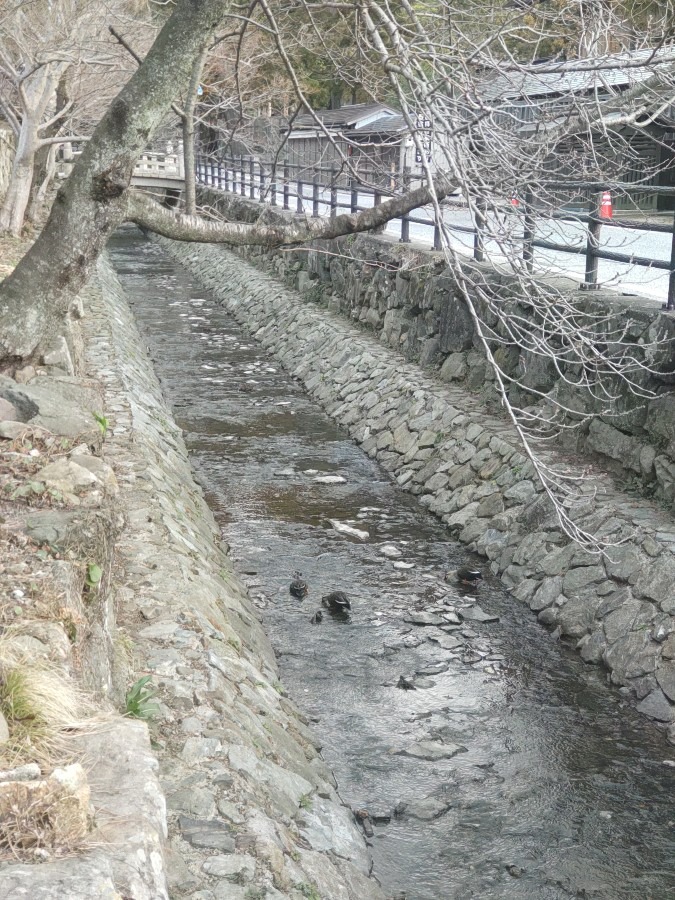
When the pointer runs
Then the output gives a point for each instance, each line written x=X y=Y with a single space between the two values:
x=163 y=169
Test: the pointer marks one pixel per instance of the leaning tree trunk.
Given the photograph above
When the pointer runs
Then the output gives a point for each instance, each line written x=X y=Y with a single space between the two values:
x=34 y=299
x=42 y=178
x=189 y=135
x=45 y=156
x=39 y=91
x=20 y=181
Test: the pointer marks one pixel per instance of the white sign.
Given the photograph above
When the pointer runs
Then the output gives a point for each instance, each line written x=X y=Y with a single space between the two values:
x=423 y=145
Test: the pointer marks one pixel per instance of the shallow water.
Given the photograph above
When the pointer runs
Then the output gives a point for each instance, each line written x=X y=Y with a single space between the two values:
x=558 y=789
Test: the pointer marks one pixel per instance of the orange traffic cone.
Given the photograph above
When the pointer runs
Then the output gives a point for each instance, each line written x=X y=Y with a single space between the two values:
x=606 y=205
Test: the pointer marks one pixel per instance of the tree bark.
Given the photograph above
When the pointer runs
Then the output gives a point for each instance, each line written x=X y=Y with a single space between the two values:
x=189 y=135
x=34 y=299
x=45 y=157
x=38 y=92
x=20 y=181
x=148 y=214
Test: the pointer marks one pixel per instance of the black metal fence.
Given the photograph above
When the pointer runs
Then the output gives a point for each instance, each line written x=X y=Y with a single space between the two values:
x=292 y=186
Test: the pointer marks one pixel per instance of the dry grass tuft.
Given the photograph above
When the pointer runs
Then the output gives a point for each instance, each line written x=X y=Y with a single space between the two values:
x=41 y=706
x=39 y=819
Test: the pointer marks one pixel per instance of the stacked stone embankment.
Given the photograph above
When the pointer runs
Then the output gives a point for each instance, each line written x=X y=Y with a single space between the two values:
x=233 y=799
x=410 y=299
x=467 y=467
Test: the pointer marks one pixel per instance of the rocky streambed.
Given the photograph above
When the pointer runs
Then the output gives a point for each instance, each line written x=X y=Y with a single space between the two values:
x=483 y=757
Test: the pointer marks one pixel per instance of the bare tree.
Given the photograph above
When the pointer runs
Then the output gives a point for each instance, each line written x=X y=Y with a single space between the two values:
x=47 y=50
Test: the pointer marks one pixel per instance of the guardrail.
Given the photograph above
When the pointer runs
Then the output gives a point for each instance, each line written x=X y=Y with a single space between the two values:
x=280 y=183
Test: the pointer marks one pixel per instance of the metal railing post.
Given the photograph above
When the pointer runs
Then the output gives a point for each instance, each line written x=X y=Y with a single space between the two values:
x=242 y=179
x=437 y=245
x=261 y=181
x=528 y=229
x=226 y=172
x=273 y=185
x=234 y=175
x=592 y=243
x=478 y=242
x=287 y=191
x=299 y=198
x=251 y=169
x=377 y=200
x=669 y=305
x=333 y=191
x=353 y=195
x=405 y=220
x=315 y=196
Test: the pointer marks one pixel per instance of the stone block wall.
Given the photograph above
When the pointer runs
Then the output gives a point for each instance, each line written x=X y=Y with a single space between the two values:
x=466 y=466
x=410 y=300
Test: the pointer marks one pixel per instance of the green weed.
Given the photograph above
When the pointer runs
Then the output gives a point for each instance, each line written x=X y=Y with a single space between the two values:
x=139 y=703
x=94 y=575
x=102 y=422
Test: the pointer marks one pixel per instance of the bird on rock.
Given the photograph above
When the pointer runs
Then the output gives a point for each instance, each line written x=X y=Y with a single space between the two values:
x=336 y=602
x=466 y=576
x=298 y=587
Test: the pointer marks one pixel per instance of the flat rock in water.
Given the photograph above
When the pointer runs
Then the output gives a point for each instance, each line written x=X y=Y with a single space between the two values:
x=330 y=479
x=423 y=682
x=434 y=669
x=390 y=551
x=426 y=808
x=476 y=614
x=423 y=618
x=342 y=528
x=284 y=473
x=451 y=618
x=433 y=750
x=446 y=641
x=404 y=565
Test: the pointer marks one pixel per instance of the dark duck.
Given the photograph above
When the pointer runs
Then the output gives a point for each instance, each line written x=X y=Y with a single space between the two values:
x=465 y=575
x=298 y=587
x=337 y=603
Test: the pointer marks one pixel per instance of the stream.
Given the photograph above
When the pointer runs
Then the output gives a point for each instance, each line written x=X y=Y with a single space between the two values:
x=492 y=762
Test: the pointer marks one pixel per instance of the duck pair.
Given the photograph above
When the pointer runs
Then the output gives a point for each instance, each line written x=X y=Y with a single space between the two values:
x=466 y=576
x=335 y=602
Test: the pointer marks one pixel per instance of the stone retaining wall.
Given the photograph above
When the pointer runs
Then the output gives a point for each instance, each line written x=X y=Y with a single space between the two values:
x=410 y=300
x=465 y=465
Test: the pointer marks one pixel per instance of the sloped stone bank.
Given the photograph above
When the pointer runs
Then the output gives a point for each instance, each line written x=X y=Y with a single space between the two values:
x=466 y=467
x=410 y=299
x=252 y=808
